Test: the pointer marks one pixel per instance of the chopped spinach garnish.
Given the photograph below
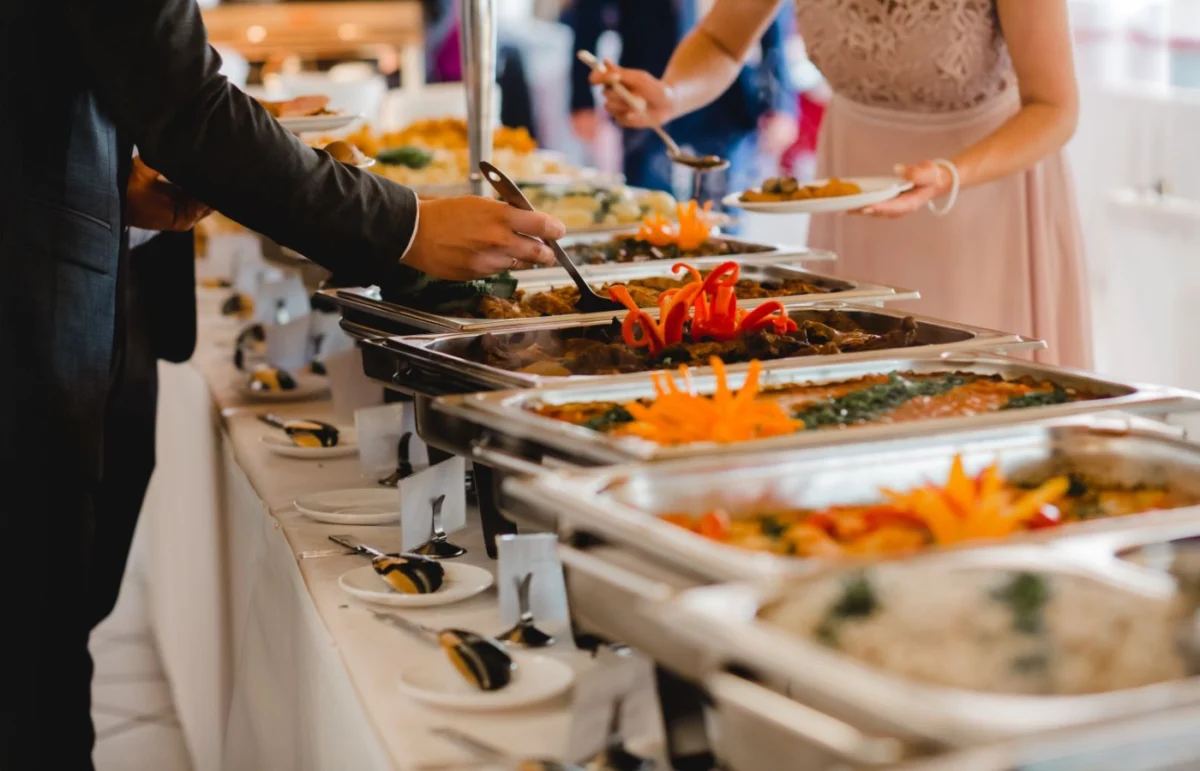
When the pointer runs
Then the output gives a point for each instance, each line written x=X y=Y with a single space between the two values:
x=857 y=601
x=771 y=526
x=1037 y=399
x=864 y=405
x=609 y=420
x=1077 y=488
x=1026 y=595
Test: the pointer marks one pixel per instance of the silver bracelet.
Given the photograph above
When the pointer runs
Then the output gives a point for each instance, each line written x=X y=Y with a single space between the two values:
x=952 y=197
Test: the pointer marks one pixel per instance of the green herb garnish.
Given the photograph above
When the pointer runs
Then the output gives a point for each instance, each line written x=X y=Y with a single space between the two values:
x=1037 y=399
x=1026 y=595
x=864 y=405
x=408 y=156
x=771 y=526
x=857 y=601
x=609 y=420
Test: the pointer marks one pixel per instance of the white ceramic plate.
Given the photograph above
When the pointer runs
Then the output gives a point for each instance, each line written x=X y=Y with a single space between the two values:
x=359 y=506
x=537 y=679
x=308 y=386
x=874 y=190
x=318 y=123
x=278 y=442
x=461 y=583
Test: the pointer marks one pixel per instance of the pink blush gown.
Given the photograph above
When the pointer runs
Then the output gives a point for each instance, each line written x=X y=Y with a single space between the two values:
x=922 y=79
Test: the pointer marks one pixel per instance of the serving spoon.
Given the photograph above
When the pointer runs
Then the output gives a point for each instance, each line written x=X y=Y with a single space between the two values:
x=698 y=162
x=589 y=301
x=480 y=660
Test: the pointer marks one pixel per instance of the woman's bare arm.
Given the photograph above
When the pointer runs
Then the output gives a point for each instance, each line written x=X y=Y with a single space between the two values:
x=1039 y=39
x=704 y=64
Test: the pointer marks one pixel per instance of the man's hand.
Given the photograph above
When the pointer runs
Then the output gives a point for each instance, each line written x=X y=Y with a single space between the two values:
x=465 y=238
x=152 y=203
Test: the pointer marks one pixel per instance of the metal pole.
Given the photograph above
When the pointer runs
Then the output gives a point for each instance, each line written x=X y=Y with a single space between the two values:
x=479 y=76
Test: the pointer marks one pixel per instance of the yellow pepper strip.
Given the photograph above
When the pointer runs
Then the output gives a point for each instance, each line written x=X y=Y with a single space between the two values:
x=679 y=416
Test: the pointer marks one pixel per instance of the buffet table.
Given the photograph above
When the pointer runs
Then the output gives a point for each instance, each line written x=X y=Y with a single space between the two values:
x=271 y=664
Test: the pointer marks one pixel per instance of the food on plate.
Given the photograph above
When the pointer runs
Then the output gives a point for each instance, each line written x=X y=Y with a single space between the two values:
x=893 y=397
x=449 y=134
x=584 y=206
x=271 y=379
x=481 y=661
x=410 y=574
x=687 y=235
x=777 y=189
x=238 y=305
x=560 y=301
x=452 y=298
x=1000 y=631
x=964 y=509
x=407 y=156
x=299 y=107
x=250 y=345
x=345 y=153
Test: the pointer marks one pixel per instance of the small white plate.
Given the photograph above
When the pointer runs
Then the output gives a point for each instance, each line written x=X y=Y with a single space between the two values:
x=308 y=386
x=537 y=679
x=360 y=506
x=279 y=443
x=874 y=190
x=317 y=123
x=461 y=582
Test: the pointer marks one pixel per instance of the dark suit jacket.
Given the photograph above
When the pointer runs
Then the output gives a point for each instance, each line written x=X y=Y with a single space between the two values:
x=82 y=82
x=649 y=31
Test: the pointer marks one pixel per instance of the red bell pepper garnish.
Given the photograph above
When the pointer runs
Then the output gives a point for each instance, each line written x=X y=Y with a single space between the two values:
x=715 y=278
x=652 y=336
x=760 y=316
x=1049 y=516
x=684 y=266
x=619 y=293
x=675 y=315
x=822 y=520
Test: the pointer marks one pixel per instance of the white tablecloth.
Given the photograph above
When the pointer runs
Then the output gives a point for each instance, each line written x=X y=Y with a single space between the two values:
x=271 y=665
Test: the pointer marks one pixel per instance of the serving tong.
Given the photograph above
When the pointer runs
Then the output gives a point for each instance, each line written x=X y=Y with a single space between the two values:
x=697 y=162
x=589 y=301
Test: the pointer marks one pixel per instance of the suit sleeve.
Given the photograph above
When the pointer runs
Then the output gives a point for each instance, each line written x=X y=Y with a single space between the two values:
x=153 y=70
x=586 y=20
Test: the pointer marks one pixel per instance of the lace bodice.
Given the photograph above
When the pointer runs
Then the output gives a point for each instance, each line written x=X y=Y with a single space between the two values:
x=915 y=55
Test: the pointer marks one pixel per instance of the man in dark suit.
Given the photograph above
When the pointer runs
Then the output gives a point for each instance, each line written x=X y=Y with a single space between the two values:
x=125 y=73
x=650 y=30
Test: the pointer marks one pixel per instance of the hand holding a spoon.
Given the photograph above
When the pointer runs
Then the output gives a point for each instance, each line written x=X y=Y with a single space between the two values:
x=652 y=92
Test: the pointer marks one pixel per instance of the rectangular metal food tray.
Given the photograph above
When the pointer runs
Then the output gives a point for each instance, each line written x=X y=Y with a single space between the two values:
x=620 y=504
x=886 y=706
x=743 y=251
x=365 y=308
x=437 y=365
x=511 y=412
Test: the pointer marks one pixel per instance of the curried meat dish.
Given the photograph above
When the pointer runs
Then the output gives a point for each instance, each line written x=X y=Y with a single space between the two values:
x=778 y=189
x=644 y=291
x=601 y=350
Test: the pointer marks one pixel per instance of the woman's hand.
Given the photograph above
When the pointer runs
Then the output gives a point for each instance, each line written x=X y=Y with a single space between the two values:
x=152 y=203
x=657 y=96
x=930 y=180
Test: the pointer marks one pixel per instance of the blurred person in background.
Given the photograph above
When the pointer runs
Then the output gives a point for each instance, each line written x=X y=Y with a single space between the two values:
x=983 y=90
x=73 y=337
x=759 y=97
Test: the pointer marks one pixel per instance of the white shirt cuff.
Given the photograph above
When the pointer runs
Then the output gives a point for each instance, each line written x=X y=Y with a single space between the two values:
x=413 y=237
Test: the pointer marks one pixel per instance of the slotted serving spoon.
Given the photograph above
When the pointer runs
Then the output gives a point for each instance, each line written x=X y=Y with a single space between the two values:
x=697 y=162
x=589 y=301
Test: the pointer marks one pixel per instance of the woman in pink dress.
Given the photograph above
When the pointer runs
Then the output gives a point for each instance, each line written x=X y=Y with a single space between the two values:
x=981 y=90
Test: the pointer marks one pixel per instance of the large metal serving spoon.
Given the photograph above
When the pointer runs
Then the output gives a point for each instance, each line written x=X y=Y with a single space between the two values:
x=481 y=660
x=589 y=301
x=698 y=162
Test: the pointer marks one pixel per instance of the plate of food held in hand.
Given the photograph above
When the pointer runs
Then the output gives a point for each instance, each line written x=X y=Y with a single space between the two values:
x=786 y=195
x=304 y=114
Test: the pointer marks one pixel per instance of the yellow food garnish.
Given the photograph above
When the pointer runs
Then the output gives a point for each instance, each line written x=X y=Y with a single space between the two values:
x=689 y=232
x=967 y=509
x=679 y=416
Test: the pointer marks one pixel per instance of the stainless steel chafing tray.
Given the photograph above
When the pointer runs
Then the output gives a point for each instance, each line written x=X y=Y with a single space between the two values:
x=620 y=504
x=883 y=717
x=363 y=307
x=743 y=250
x=511 y=413
x=436 y=365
